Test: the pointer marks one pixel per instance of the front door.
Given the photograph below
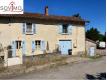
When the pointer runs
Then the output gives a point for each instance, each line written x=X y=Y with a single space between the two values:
x=64 y=46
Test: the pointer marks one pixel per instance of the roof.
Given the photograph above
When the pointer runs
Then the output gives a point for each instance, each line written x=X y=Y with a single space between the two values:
x=90 y=40
x=43 y=17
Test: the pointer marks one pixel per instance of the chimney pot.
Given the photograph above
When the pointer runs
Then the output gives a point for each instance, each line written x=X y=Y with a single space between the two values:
x=46 y=10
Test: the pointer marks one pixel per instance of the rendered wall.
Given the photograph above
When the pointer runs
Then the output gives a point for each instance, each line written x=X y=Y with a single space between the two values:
x=50 y=33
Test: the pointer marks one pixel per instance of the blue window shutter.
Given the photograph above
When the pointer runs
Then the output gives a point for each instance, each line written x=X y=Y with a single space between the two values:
x=33 y=45
x=60 y=29
x=43 y=47
x=23 y=47
x=34 y=28
x=70 y=29
x=13 y=48
x=23 y=28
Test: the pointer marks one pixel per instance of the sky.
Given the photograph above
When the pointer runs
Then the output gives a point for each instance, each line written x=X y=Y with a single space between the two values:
x=91 y=10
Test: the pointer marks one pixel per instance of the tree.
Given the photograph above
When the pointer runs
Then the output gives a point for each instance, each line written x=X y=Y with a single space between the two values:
x=93 y=34
x=101 y=37
x=104 y=37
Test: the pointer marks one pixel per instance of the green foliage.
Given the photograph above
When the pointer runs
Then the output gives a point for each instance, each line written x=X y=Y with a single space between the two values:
x=101 y=37
x=95 y=57
x=105 y=37
x=95 y=35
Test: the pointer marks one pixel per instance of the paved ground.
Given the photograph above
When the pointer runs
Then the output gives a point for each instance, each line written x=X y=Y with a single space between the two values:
x=82 y=70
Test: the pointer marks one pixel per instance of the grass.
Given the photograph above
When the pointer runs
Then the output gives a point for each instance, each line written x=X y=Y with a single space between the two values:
x=49 y=58
x=2 y=68
x=32 y=62
x=95 y=57
x=29 y=63
x=43 y=59
x=91 y=57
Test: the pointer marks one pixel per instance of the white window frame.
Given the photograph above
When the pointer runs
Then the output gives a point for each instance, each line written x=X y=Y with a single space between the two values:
x=31 y=31
x=67 y=30
x=63 y=29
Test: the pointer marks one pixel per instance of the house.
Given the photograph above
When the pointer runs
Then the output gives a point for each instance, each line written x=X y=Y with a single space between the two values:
x=101 y=45
x=33 y=33
x=90 y=45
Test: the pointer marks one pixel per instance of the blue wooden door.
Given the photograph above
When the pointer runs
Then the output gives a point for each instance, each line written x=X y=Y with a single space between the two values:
x=33 y=47
x=64 y=46
x=23 y=48
x=13 y=48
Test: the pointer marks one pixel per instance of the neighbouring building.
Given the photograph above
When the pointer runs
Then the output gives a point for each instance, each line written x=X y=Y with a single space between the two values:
x=90 y=43
x=33 y=34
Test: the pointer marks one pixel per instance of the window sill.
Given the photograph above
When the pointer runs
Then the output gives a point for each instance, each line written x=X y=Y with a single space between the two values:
x=65 y=33
x=29 y=33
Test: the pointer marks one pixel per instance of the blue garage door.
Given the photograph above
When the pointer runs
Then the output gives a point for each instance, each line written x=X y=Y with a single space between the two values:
x=64 y=46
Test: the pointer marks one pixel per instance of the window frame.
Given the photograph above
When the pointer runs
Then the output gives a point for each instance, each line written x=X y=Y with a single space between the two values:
x=65 y=28
x=65 y=33
x=29 y=33
x=38 y=43
x=18 y=44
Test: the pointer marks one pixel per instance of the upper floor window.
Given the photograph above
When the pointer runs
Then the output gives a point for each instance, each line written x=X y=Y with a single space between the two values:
x=29 y=28
x=65 y=29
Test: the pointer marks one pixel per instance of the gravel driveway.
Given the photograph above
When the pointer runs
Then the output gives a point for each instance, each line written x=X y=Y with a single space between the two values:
x=83 y=70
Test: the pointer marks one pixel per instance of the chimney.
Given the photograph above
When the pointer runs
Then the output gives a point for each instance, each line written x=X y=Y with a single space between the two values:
x=46 y=10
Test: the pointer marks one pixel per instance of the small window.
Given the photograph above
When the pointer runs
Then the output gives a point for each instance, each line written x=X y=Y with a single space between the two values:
x=29 y=28
x=38 y=44
x=18 y=44
x=65 y=28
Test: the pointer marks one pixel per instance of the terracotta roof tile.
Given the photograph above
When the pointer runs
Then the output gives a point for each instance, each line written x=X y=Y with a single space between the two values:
x=42 y=16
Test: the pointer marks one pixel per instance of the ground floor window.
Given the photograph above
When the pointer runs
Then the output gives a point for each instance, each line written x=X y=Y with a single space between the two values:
x=18 y=44
x=38 y=44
